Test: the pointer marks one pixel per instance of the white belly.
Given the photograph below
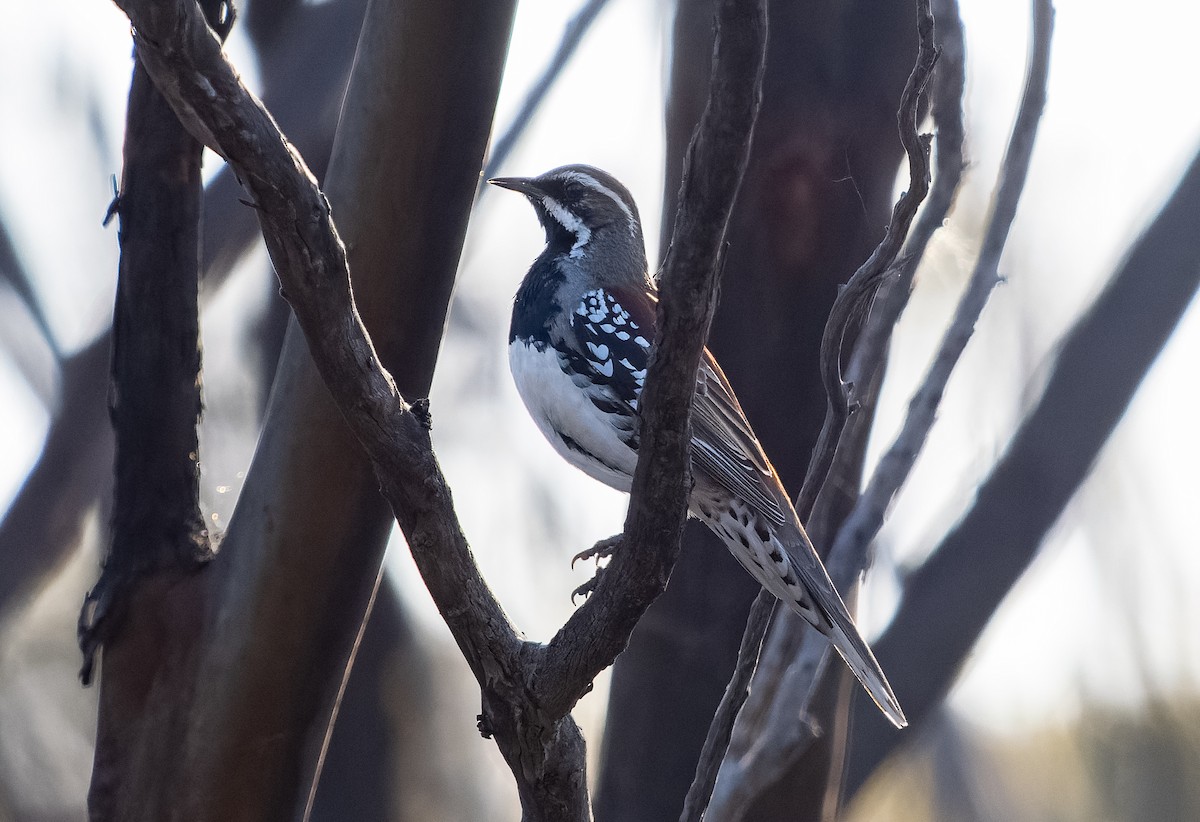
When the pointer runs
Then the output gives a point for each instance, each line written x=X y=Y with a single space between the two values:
x=576 y=428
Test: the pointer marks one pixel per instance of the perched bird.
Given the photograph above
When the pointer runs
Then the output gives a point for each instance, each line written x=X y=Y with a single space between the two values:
x=582 y=325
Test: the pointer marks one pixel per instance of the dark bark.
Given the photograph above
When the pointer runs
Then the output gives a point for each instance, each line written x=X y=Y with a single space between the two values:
x=401 y=179
x=1095 y=377
x=816 y=196
x=526 y=686
x=305 y=53
x=158 y=535
x=305 y=94
x=835 y=469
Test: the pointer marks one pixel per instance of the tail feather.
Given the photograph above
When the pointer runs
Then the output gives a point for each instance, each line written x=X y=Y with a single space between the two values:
x=836 y=624
x=845 y=638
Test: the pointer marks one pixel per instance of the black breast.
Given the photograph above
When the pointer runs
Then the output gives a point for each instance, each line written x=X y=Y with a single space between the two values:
x=536 y=302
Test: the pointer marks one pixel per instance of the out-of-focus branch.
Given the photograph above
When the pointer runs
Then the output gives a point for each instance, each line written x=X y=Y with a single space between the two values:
x=302 y=554
x=1095 y=377
x=573 y=35
x=851 y=299
x=14 y=274
x=71 y=474
x=303 y=94
x=850 y=550
x=799 y=692
x=37 y=532
x=544 y=750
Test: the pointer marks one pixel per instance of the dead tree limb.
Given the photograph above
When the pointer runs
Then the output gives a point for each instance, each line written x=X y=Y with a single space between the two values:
x=158 y=534
x=1095 y=377
x=801 y=687
x=851 y=301
x=528 y=688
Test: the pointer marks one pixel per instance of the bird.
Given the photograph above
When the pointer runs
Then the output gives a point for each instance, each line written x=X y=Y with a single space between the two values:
x=583 y=323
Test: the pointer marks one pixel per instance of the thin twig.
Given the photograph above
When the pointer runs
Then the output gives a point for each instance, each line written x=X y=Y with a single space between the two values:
x=719 y=732
x=801 y=689
x=949 y=81
x=861 y=287
x=850 y=549
x=573 y=35
x=852 y=298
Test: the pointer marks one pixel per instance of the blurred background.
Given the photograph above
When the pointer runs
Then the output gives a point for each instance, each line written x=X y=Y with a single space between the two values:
x=1081 y=701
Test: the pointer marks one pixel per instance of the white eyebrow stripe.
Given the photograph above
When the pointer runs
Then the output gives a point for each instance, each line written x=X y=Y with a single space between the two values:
x=570 y=221
x=599 y=187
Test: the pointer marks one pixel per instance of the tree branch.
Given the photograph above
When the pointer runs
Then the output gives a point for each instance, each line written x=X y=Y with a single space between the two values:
x=1095 y=377
x=688 y=286
x=779 y=742
x=850 y=550
x=158 y=533
x=527 y=689
x=573 y=35
x=851 y=299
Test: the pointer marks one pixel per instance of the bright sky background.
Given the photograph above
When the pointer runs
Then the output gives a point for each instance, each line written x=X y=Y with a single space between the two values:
x=1120 y=125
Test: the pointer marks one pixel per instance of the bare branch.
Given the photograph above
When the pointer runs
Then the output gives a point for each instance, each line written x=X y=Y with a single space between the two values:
x=158 y=536
x=653 y=526
x=850 y=300
x=799 y=691
x=856 y=295
x=573 y=35
x=527 y=689
x=1095 y=377
x=850 y=550
x=716 y=743
x=42 y=526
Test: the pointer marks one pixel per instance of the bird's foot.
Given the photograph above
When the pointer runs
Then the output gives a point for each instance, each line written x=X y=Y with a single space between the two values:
x=601 y=550
x=586 y=589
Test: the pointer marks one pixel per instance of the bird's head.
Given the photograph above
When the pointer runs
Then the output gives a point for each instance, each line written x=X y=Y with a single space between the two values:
x=587 y=214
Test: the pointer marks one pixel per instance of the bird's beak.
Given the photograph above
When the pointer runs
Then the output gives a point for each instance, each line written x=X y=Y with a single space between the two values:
x=523 y=185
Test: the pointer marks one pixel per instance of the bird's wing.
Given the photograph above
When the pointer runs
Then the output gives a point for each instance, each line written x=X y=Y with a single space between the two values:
x=607 y=354
x=724 y=445
x=613 y=330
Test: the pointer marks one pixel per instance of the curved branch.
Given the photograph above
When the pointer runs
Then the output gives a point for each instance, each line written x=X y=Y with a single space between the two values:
x=528 y=689
x=688 y=286
x=1095 y=377
x=850 y=300
x=850 y=550
x=801 y=688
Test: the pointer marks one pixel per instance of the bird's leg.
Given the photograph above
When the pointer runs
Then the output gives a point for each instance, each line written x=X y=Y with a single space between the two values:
x=601 y=550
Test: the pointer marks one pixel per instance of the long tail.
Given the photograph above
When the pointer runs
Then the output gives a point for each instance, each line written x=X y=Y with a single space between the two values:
x=833 y=620
x=845 y=638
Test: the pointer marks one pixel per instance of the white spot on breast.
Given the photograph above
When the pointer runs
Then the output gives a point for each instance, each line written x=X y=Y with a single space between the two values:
x=601 y=351
x=642 y=341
